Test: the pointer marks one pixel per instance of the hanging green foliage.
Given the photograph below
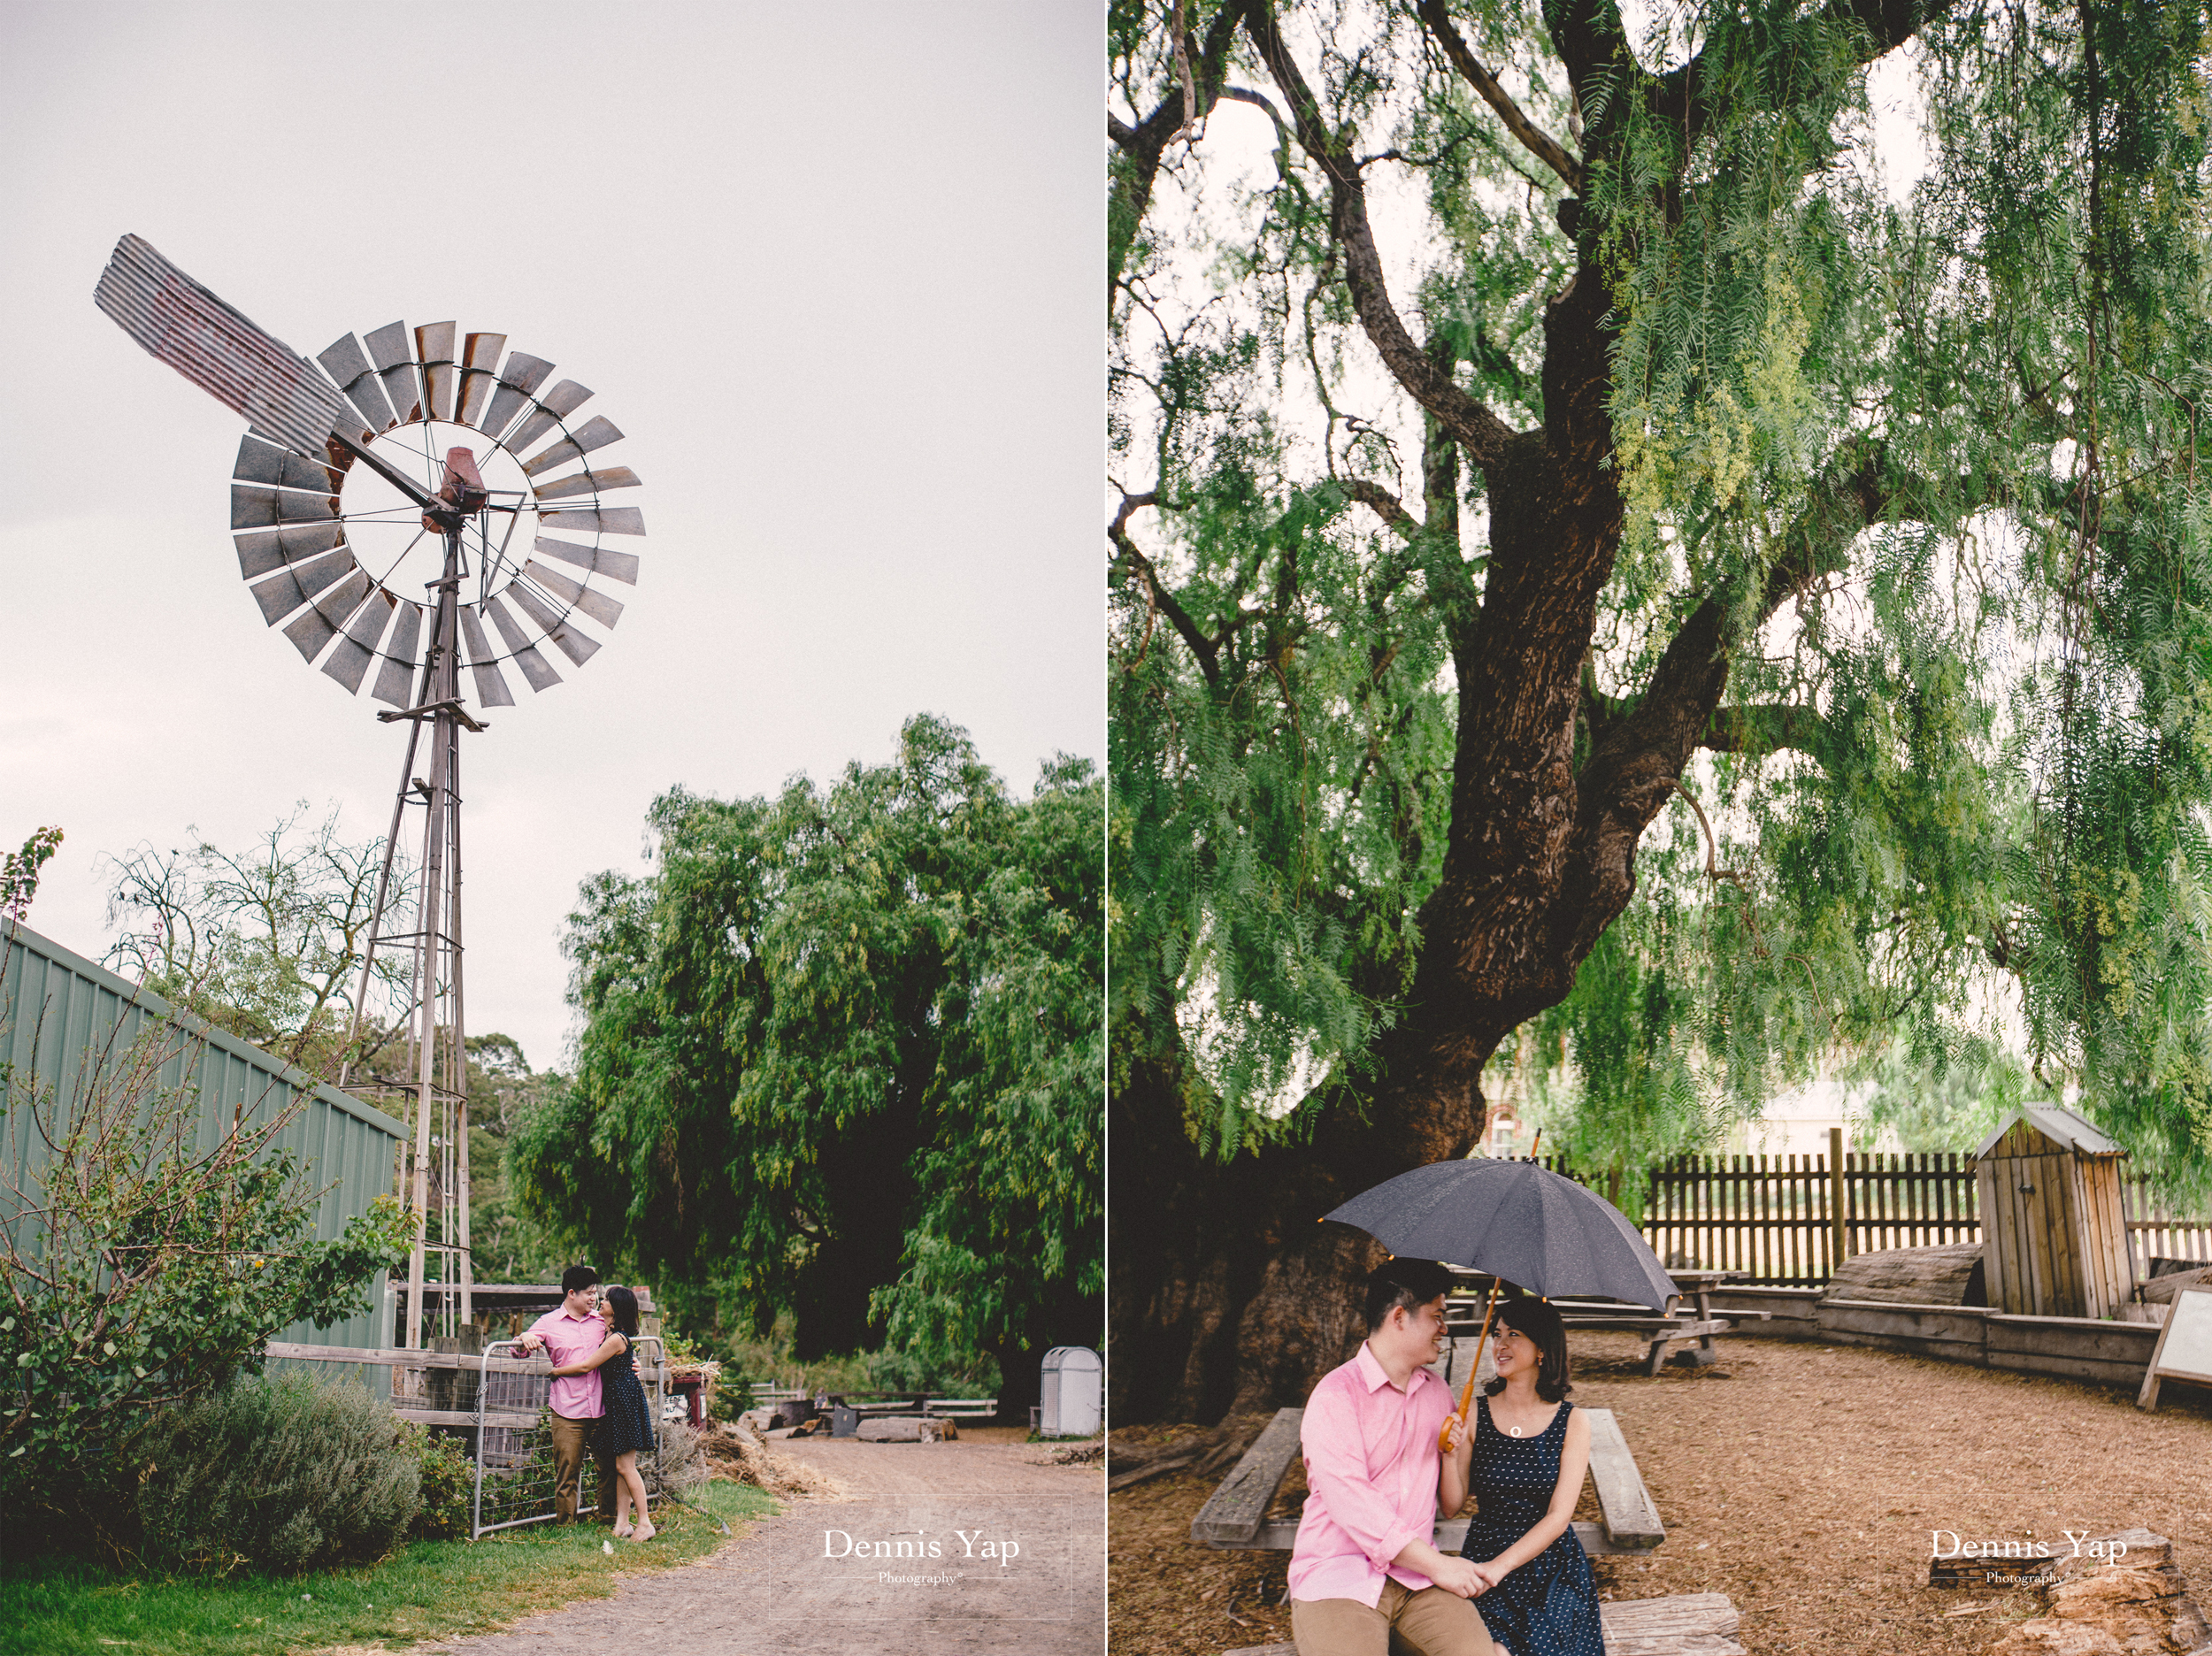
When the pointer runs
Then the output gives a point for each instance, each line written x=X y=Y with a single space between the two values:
x=840 y=1058
x=1908 y=468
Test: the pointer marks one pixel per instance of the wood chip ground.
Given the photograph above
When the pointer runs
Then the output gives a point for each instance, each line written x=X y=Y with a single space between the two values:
x=1802 y=1481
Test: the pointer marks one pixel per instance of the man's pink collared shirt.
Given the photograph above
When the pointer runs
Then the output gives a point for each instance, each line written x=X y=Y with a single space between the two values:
x=1371 y=1466
x=567 y=1340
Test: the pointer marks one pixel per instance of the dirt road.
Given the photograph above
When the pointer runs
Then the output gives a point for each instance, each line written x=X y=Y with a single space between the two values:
x=926 y=1549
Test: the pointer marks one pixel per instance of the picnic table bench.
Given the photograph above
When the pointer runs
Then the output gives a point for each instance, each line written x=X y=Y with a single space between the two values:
x=1235 y=1515
x=1685 y=1624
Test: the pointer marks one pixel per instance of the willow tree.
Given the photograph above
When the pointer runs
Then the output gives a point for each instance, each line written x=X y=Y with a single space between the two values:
x=839 y=1059
x=1602 y=554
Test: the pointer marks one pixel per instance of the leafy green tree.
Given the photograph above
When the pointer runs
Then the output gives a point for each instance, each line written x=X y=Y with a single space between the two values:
x=265 y=942
x=840 y=1058
x=507 y=1242
x=19 y=870
x=1589 y=558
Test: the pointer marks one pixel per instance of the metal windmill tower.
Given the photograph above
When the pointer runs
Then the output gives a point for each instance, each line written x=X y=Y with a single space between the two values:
x=403 y=449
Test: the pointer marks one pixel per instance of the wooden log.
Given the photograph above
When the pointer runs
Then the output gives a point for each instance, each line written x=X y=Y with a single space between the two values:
x=1232 y=1512
x=2160 y=1290
x=1630 y=1520
x=1947 y=1275
x=901 y=1429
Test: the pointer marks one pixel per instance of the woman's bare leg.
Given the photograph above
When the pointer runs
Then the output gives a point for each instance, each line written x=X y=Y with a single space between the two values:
x=628 y=1483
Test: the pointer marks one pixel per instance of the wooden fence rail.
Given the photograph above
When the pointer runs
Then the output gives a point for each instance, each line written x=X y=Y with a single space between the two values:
x=1787 y=1220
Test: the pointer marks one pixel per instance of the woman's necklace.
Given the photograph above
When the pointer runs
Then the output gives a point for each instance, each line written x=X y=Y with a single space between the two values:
x=1511 y=1430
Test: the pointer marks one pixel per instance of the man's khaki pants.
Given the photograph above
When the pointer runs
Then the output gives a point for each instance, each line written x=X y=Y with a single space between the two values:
x=1431 y=1622
x=570 y=1439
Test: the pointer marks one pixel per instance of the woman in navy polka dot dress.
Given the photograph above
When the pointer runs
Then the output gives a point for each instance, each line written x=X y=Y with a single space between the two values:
x=1524 y=1454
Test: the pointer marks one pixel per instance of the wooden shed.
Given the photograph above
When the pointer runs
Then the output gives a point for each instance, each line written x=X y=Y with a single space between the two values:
x=2054 y=1239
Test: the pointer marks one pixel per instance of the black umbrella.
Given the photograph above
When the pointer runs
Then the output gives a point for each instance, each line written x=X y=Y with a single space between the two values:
x=1515 y=1220
x=1518 y=1222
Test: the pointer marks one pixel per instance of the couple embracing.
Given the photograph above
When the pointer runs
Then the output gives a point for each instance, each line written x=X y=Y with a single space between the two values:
x=597 y=1399
x=1385 y=1453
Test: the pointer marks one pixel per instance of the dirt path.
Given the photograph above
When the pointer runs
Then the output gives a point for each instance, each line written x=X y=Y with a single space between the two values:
x=1802 y=1481
x=1019 y=1564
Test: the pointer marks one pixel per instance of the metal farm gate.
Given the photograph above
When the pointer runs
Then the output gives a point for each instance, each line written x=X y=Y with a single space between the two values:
x=513 y=1446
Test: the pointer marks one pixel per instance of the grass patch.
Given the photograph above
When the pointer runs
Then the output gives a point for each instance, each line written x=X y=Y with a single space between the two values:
x=427 y=1589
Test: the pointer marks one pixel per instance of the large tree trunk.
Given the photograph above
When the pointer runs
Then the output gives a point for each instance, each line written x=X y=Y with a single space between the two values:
x=1228 y=1294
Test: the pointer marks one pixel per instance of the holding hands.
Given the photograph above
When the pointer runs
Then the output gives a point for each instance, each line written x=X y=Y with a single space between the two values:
x=1460 y=1575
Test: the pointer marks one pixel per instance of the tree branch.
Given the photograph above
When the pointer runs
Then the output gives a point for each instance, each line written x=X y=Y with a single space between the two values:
x=1129 y=190
x=1764 y=728
x=1480 y=433
x=1206 y=650
x=1680 y=98
x=1534 y=139
x=1385 y=505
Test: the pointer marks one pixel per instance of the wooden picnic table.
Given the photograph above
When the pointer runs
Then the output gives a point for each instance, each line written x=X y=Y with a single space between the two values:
x=1671 y=1327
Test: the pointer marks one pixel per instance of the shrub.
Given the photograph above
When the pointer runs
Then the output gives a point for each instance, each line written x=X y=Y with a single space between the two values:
x=290 y=1474
x=449 y=1489
x=142 y=1267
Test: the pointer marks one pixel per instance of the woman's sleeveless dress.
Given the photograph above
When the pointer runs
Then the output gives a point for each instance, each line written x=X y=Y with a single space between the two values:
x=1549 y=1606
x=628 y=1421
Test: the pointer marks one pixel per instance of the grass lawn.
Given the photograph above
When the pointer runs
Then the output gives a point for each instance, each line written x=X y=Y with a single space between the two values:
x=427 y=1589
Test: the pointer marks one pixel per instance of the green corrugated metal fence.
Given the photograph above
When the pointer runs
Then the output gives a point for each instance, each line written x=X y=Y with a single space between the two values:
x=62 y=1015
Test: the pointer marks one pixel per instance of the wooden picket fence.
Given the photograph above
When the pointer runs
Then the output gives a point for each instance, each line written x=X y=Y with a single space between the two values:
x=1785 y=1221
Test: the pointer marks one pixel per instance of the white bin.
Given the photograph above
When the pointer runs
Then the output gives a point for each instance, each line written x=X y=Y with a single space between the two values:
x=1072 y=1392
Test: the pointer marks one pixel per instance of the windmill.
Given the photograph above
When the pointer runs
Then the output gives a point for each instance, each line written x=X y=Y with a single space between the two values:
x=404 y=454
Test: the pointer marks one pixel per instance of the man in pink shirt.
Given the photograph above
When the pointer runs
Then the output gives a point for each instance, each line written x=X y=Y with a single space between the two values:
x=575 y=1331
x=1365 y=1567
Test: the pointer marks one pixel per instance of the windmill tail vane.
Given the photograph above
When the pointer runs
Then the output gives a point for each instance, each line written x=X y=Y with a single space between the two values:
x=217 y=347
x=321 y=559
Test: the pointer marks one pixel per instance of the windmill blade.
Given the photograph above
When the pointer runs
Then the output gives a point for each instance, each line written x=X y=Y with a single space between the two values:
x=433 y=346
x=587 y=482
x=557 y=404
x=396 y=674
x=559 y=631
x=252 y=508
x=620 y=566
x=491 y=688
x=626 y=520
x=272 y=467
x=396 y=363
x=477 y=377
x=597 y=605
x=263 y=550
x=595 y=433
x=355 y=648
x=536 y=670
x=217 y=347
x=349 y=364
x=317 y=625
x=296 y=583
x=522 y=376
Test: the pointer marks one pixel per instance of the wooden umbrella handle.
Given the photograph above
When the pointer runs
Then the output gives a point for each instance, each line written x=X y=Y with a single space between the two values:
x=1467 y=1391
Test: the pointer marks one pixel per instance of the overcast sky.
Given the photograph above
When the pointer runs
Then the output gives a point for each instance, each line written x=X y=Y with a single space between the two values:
x=834 y=272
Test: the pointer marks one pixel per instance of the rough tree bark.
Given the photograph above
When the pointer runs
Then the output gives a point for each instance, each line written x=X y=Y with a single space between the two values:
x=1225 y=1293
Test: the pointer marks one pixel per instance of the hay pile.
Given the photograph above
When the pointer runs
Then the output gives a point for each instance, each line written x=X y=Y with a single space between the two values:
x=736 y=1452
